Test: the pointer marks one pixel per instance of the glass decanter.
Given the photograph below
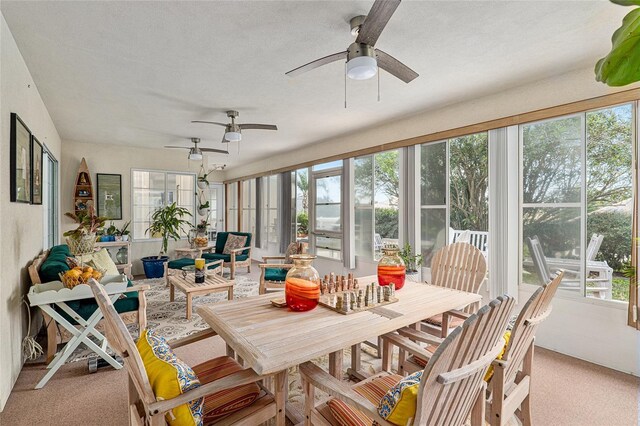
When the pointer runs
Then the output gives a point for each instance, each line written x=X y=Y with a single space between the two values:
x=391 y=268
x=302 y=284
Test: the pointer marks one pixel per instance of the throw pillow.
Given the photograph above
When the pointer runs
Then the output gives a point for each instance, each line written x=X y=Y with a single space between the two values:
x=170 y=377
x=507 y=337
x=101 y=260
x=234 y=242
x=293 y=248
x=398 y=406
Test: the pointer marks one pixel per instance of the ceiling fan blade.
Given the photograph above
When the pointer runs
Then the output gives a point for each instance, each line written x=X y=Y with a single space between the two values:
x=376 y=20
x=210 y=122
x=317 y=63
x=258 y=126
x=220 y=151
x=395 y=67
x=177 y=147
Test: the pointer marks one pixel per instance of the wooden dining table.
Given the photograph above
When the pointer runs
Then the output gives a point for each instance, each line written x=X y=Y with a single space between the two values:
x=271 y=340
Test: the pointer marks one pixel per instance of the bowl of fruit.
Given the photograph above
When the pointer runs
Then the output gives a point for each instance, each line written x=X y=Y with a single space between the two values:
x=80 y=275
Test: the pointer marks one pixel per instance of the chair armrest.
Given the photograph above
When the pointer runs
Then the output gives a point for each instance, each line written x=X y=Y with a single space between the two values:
x=276 y=265
x=267 y=258
x=420 y=336
x=192 y=338
x=241 y=249
x=407 y=344
x=239 y=378
x=219 y=262
x=458 y=314
x=322 y=380
x=139 y=288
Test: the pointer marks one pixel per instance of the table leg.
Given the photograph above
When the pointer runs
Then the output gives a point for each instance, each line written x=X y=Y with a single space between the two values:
x=335 y=364
x=230 y=293
x=281 y=392
x=189 y=305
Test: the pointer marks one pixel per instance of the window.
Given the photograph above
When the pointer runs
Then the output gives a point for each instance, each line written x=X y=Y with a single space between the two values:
x=50 y=199
x=301 y=177
x=376 y=193
x=249 y=206
x=155 y=189
x=269 y=210
x=576 y=205
x=232 y=199
x=327 y=210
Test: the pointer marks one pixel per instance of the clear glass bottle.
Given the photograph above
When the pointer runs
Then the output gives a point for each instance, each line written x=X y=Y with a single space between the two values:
x=202 y=238
x=391 y=268
x=302 y=284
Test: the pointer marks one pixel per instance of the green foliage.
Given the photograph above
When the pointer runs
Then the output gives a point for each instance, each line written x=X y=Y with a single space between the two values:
x=88 y=223
x=124 y=230
x=620 y=289
x=411 y=260
x=167 y=221
x=303 y=223
x=616 y=245
x=622 y=65
x=302 y=183
x=387 y=222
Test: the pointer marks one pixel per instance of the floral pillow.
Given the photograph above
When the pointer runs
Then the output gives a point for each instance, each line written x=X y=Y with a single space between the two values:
x=294 y=248
x=234 y=242
x=398 y=406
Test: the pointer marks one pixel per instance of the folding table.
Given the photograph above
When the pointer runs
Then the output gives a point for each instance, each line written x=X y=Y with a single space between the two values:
x=47 y=296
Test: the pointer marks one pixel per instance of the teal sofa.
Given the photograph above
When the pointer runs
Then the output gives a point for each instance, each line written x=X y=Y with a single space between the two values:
x=237 y=258
x=50 y=264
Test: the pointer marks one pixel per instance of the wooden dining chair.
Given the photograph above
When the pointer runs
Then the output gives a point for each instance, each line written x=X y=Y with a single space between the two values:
x=215 y=385
x=510 y=386
x=459 y=266
x=451 y=387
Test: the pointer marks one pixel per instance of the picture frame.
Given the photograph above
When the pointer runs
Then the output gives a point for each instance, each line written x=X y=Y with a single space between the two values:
x=109 y=195
x=20 y=161
x=37 y=152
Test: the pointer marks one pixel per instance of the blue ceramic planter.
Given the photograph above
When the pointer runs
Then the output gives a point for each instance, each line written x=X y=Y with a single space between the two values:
x=154 y=266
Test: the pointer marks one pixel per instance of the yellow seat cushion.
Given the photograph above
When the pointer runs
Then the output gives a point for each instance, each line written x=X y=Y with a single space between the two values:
x=372 y=390
x=170 y=377
x=398 y=405
x=227 y=401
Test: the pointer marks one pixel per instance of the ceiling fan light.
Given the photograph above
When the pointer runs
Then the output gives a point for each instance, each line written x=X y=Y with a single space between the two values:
x=362 y=68
x=233 y=136
x=195 y=156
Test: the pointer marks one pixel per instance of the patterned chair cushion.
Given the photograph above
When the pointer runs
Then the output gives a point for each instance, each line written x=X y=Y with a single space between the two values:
x=234 y=242
x=373 y=390
x=398 y=405
x=170 y=377
x=222 y=403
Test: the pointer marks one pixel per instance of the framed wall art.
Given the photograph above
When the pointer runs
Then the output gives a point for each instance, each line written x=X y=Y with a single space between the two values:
x=20 y=162
x=36 y=171
x=110 y=195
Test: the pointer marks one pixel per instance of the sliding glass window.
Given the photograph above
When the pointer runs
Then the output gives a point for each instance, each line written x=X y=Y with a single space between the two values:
x=249 y=206
x=232 y=212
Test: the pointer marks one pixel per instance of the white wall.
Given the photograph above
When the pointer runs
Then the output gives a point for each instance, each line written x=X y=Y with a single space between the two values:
x=22 y=224
x=120 y=159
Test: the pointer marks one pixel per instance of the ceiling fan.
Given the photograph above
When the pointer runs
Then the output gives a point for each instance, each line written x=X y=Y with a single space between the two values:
x=195 y=152
x=362 y=58
x=233 y=131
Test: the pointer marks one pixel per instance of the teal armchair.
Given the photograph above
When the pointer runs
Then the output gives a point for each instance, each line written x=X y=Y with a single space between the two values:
x=237 y=258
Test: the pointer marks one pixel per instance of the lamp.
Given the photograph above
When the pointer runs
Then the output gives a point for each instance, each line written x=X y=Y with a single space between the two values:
x=195 y=154
x=233 y=136
x=361 y=62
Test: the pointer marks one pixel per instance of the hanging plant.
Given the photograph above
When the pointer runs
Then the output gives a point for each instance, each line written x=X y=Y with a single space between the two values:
x=622 y=65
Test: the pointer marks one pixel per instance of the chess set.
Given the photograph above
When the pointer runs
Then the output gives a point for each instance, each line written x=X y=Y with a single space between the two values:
x=344 y=295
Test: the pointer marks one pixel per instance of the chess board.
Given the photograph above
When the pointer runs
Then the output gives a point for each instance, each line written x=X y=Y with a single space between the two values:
x=345 y=296
x=327 y=302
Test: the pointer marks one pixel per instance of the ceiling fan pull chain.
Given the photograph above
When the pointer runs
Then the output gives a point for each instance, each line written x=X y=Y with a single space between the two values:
x=345 y=86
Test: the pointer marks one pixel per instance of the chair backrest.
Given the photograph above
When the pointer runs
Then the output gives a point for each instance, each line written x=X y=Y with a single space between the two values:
x=539 y=261
x=594 y=246
x=34 y=268
x=454 y=376
x=460 y=266
x=121 y=342
x=536 y=310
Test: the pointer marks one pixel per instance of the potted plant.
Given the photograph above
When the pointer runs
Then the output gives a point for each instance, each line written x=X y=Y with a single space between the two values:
x=109 y=233
x=124 y=232
x=82 y=239
x=412 y=262
x=167 y=222
x=203 y=181
x=203 y=208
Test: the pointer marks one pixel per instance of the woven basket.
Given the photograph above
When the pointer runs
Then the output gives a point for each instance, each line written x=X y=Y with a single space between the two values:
x=82 y=245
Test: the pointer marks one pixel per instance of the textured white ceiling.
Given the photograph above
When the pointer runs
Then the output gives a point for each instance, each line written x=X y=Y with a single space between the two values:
x=137 y=73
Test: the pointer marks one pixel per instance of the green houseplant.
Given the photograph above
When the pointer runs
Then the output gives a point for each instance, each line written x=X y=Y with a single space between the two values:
x=412 y=262
x=82 y=239
x=167 y=222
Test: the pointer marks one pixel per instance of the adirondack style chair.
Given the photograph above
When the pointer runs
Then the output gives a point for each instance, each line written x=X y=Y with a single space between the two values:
x=274 y=269
x=460 y=266
x=146 y=409
x=451 y=387
x=595 y=286
x=510 y=386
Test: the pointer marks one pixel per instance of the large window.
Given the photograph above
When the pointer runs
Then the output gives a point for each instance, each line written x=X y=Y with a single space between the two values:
x=576 y=201
x=327 y=205
x=50 y=199
x=155 y=189
x=376 y=194
x=249 y=206
x=270 y=226
x=232 y=199
x=301 y=178
x=454 y=179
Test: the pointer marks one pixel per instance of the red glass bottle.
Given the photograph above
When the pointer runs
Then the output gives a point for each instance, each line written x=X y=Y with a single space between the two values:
x=391 y=268
x=302 y=284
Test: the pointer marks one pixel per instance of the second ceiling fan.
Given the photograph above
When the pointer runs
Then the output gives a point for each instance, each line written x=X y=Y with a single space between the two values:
x=363 y=59
x=233 y=130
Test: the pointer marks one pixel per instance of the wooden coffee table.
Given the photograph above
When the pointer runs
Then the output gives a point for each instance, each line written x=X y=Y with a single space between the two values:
x=186 y=283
